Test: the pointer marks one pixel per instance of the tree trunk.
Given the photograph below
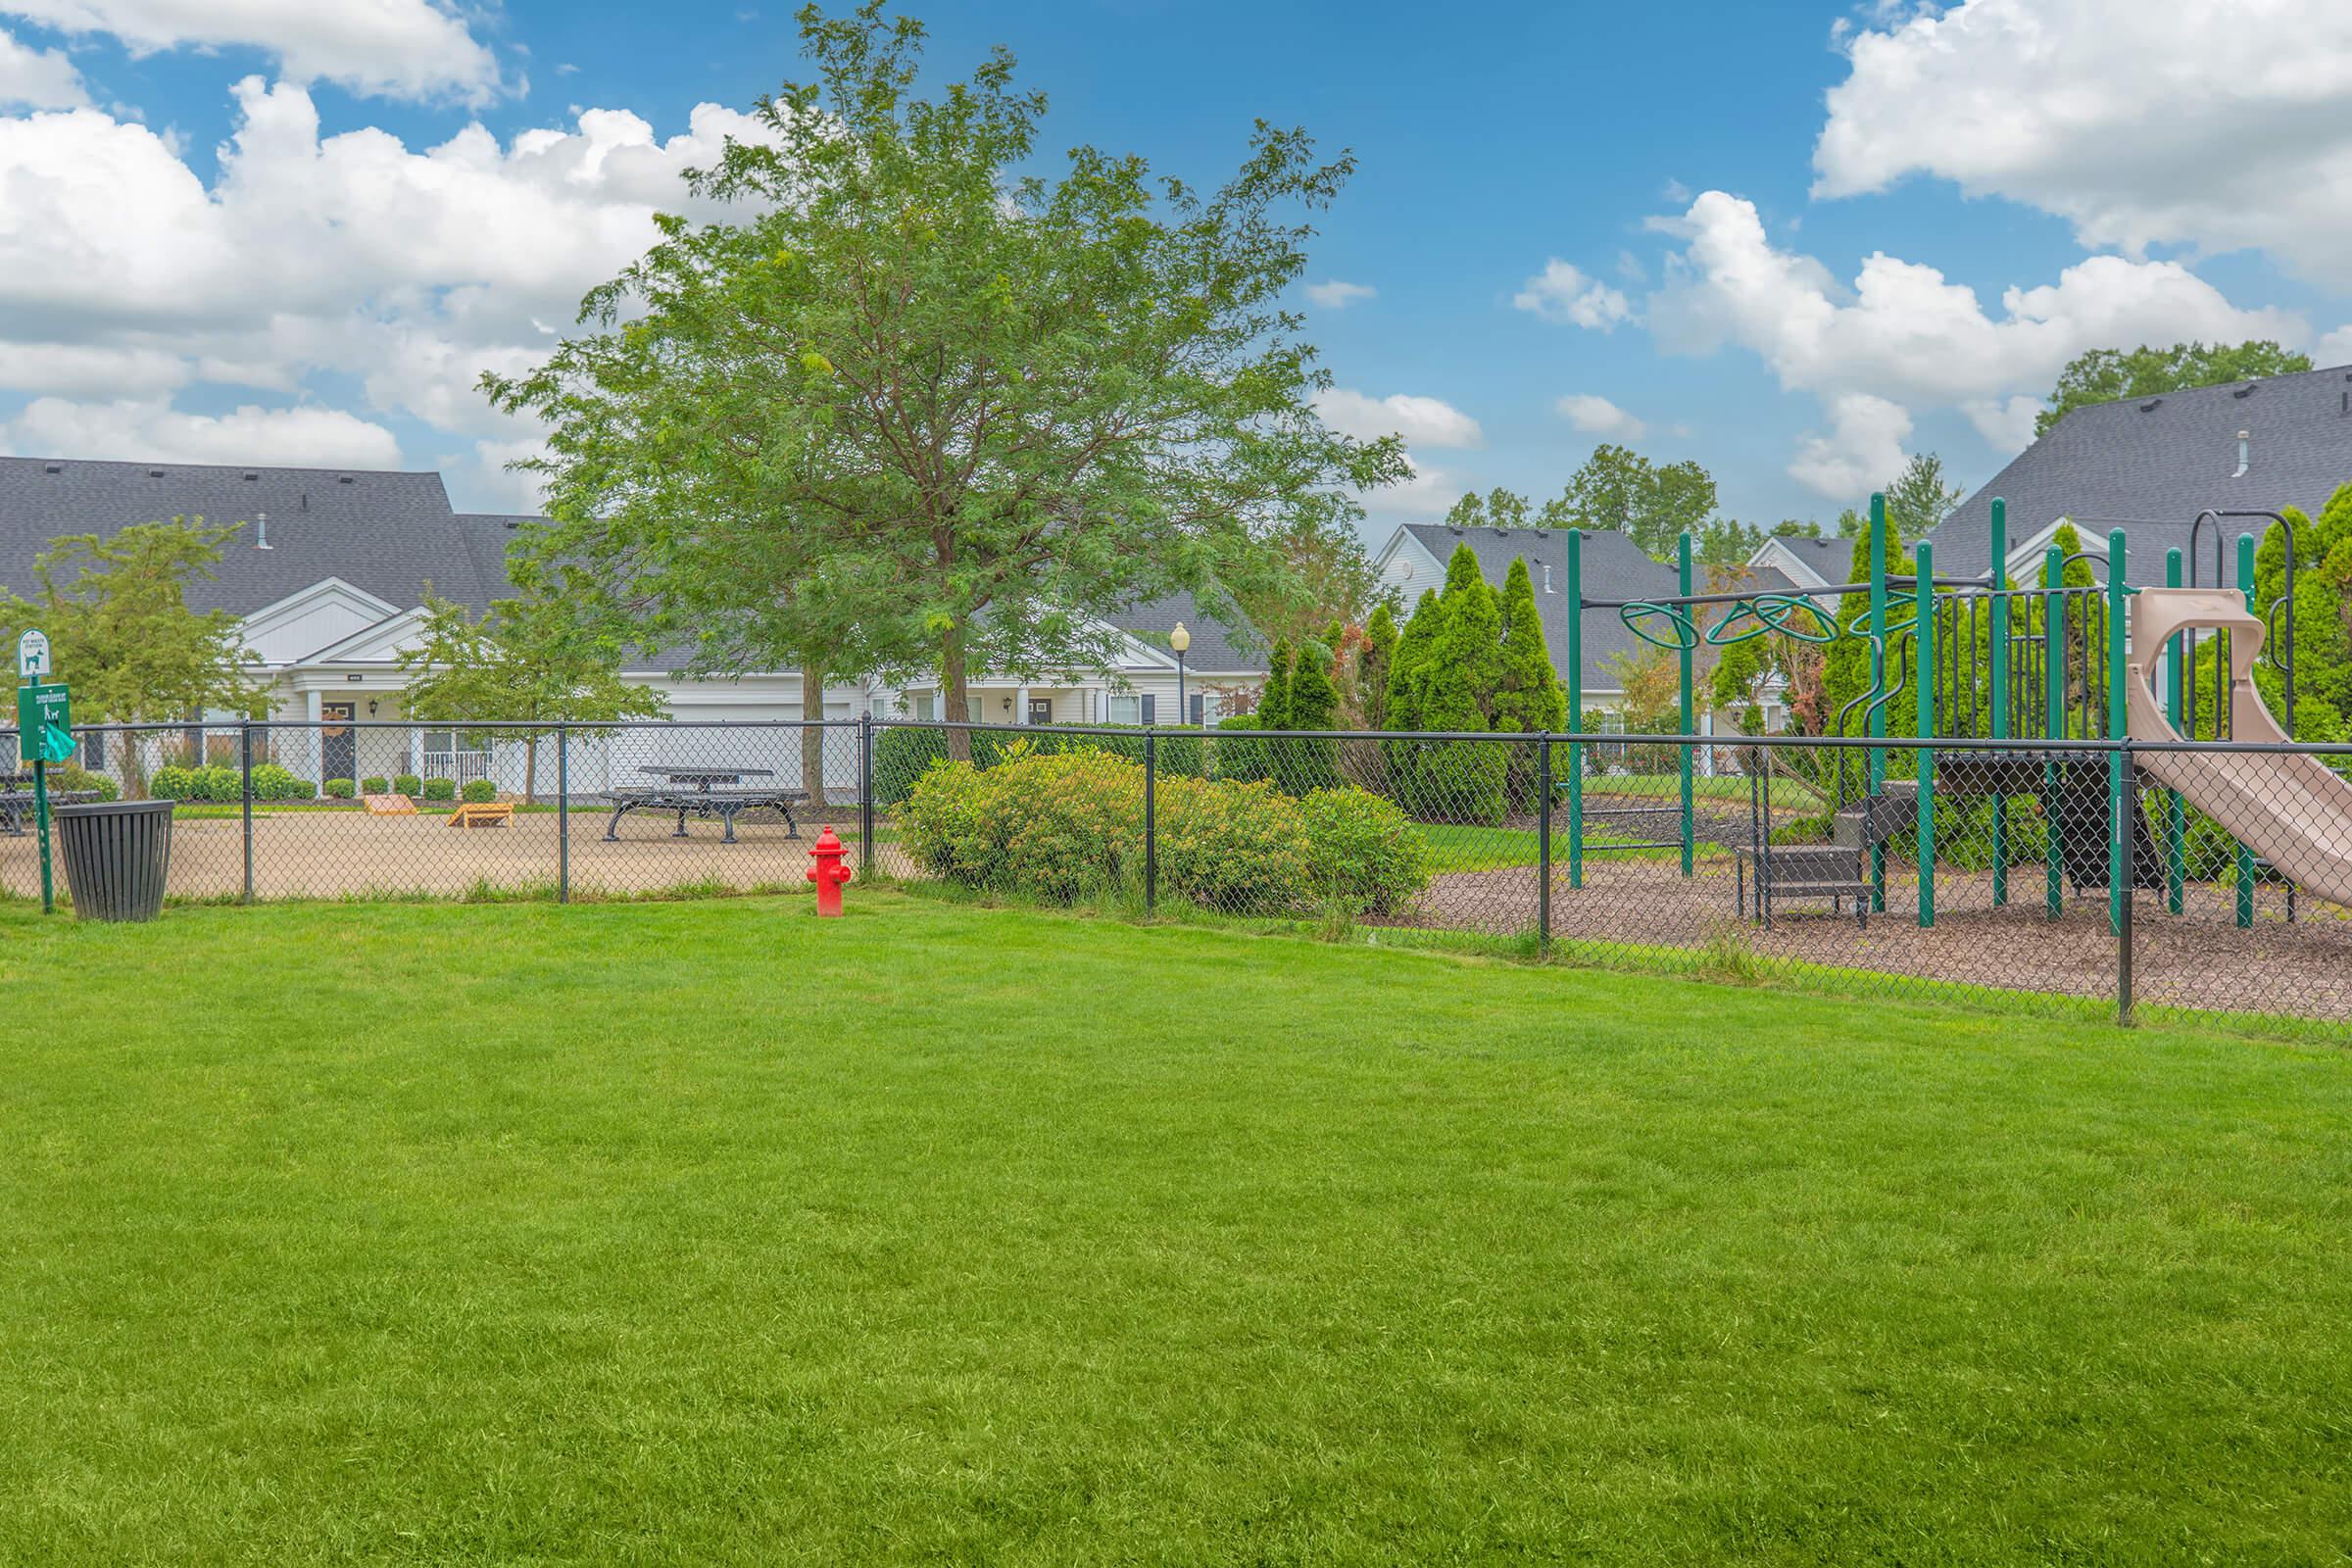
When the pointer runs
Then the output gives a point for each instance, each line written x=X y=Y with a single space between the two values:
x=530 y=769
x=812 y=732
x=955 y=693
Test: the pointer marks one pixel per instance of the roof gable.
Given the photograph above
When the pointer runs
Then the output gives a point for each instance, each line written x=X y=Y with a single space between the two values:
x=2150 y=466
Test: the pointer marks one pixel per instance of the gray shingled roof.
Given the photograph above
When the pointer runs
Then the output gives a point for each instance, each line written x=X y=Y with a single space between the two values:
x=1832 y=558
x=2150 y=465
x=385 y=533
x=1614 y=568
x=1217 y=649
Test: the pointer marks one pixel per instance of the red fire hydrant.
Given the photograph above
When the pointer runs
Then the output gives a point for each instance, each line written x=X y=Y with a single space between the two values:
x=828 y=873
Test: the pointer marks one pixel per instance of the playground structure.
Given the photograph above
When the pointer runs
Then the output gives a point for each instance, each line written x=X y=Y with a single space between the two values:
x=2047 y=693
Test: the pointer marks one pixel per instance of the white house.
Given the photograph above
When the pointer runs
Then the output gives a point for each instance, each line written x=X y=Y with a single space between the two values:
x=328 y=572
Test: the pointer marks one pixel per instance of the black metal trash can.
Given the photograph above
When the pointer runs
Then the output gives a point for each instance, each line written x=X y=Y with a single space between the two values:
x=117 y=855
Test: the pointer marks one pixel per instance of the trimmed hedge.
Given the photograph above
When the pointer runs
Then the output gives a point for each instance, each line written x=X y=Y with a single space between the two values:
x=479 y=791
x=408 y=784
x=374 y=786
x=1063 y=825
x=337 y=789
x=440 y=788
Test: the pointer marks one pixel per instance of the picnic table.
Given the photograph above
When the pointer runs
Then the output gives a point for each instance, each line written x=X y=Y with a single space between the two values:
x=704 y=792
x=17 y=800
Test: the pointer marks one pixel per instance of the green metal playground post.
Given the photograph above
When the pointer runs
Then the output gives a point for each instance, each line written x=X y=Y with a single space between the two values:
x=1690 y=649
x=2053 y=626
x=2245 y=853
x=2119 y=830
x=1924 y=633
x=2000 y=693
x=1875 y=774
x=2175 y=818
x=1576 y=707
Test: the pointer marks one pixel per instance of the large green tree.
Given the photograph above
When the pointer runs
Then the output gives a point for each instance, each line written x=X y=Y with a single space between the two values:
x=1920 y=497
x=525 y=661
x=121 y=632
x=1007 y=401
x=1373 y=665
x=2103 y=376
x=1654 y=504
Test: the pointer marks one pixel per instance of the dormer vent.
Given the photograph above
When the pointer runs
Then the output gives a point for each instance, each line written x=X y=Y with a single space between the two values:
x=53 y=468
x=154 y=473
x=346 y=479
x=2151 y=406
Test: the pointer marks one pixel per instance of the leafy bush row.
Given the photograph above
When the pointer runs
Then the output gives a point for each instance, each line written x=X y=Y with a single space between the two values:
x=1065 y=823
x=219 y=783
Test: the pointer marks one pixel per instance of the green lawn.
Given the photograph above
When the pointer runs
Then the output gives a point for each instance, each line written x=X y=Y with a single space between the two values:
x=711 y=1233
x=1472 y=847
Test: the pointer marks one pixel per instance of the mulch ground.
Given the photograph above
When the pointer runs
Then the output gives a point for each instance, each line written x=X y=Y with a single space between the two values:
x=2197 y=959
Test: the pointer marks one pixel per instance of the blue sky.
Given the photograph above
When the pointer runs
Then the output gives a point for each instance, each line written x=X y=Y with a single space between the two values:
x=250 y=231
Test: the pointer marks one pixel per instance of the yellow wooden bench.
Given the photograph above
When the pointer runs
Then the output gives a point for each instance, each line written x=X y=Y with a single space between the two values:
x=388 y=804
x=478 y=813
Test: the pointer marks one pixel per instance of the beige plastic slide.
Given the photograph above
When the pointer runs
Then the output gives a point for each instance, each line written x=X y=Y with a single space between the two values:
x=2295 y=811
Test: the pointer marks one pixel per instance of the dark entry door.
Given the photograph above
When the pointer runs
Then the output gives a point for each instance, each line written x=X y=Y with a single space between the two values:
x=1041 y=710
x=338 y=747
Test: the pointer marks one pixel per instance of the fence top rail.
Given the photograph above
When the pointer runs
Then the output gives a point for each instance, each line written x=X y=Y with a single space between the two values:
x=1826 y=591
x=548 y=726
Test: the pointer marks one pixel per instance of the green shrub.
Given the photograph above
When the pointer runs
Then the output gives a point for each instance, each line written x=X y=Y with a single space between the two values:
x=270 y=782
x=479 y=791
x=902 y=755
x=67 y=776
x=440 y=788
x=408 y=784
x=1459 y=781
x=338 y=789
x=173 y=782
x=372 y=786
x=1060 y=825
x=218 y=782
x=1368 y=854
x=1246 y=756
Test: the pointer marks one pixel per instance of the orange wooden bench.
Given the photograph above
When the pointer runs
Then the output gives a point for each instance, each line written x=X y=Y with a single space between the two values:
x=483 y=814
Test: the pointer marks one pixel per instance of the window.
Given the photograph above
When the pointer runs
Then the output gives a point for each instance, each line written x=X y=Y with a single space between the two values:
x=1127 y=709
x=1200 y=712
x=93 y=749
x=923 y=702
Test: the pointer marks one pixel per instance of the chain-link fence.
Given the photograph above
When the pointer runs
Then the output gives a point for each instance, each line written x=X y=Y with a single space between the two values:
x=1873 y=867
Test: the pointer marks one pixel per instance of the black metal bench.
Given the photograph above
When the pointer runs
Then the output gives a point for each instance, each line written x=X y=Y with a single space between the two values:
x=17 y=805
x=695 y=792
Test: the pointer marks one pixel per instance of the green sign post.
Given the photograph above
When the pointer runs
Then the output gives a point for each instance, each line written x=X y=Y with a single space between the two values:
x=44 y=735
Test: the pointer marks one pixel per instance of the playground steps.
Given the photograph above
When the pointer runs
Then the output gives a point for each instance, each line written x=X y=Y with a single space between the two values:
x=1898 y=812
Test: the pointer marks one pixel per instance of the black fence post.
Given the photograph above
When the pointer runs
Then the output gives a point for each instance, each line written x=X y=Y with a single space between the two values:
x=563 y=814
x=2127 y=803
x=245 y=795
x=1151 y=820
x=865 y=792
x=1543 y=845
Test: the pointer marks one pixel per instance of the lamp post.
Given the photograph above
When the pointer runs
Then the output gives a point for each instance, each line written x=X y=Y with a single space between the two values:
x=1180 y=640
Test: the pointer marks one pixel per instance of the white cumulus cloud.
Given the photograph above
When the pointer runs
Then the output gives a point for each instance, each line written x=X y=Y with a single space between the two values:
x=1901 y=336
x=1422 y=422
x=1334 y=295
x=1563 y=294
x=2139 y=121
x=1864 y=447
x=399 y=48
x=37 y=78
x=1598 y=416
x=153 y=428
x=405 y=271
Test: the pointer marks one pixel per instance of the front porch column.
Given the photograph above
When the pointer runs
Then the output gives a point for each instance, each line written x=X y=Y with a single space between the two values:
x=311 y=701
x=1021 y=705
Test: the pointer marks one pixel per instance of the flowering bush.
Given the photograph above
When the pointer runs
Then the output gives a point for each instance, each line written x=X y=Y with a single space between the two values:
x=1060 y=825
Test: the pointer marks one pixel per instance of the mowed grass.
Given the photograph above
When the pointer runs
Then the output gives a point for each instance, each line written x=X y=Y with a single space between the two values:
x=712 y=1233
